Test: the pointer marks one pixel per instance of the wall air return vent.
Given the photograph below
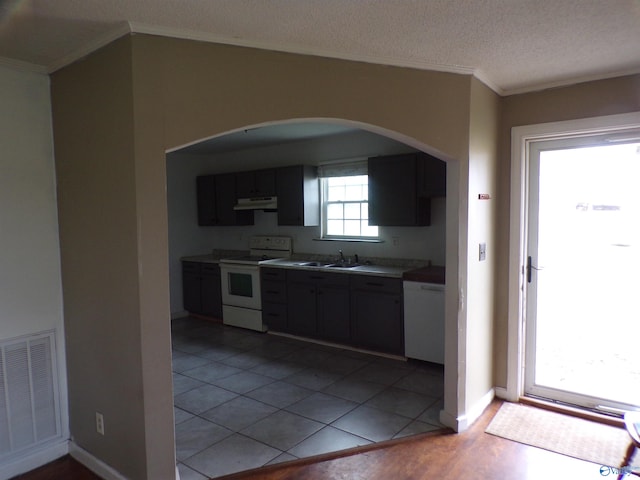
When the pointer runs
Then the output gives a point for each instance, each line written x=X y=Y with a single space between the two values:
x=29 y=406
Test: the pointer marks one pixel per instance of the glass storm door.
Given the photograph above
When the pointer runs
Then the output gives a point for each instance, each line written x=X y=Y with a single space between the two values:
x=582 y=328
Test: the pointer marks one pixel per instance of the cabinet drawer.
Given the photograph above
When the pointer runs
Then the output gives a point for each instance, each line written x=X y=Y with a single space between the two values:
x=375 y=283
x=319 y=278
x=277 y=274
x=274 y=291
x=274 y=316
x=191 y=267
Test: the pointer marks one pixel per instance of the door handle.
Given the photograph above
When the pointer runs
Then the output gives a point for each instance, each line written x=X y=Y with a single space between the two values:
x=530 y=268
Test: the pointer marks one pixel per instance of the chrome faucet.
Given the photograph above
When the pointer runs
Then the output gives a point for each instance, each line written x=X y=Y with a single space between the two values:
x=342 y=259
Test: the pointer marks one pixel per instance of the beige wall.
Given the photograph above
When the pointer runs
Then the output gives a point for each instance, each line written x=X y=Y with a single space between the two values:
x=483 y=157
x=94 y=147
x=592 y=99
x=115 y=114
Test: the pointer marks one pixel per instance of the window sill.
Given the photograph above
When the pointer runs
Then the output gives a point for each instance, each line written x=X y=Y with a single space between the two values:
x=360 y=240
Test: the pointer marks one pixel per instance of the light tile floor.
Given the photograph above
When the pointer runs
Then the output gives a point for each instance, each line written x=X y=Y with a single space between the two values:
x=245 y=399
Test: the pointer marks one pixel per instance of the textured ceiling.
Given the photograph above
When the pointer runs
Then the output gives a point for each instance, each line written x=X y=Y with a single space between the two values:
x=512 y=45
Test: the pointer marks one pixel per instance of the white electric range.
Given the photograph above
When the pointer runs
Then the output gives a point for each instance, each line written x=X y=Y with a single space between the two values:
x=241 y=299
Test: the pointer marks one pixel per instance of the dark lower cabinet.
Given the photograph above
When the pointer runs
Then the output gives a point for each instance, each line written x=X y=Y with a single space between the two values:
x=360 y=310
x=273 y=288
x=319 y=305
x=377 y=313
x=201 y=289
x=191 y=292
x=302 y=308
x=334 y=322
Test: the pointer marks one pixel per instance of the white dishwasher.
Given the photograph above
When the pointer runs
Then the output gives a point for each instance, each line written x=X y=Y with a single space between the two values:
x=424 y=321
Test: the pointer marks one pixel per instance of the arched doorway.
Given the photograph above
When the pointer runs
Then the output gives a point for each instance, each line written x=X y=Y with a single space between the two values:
x=279 y=144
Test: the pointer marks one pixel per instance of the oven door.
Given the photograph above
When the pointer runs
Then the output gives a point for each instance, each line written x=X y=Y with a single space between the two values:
x=241 y=285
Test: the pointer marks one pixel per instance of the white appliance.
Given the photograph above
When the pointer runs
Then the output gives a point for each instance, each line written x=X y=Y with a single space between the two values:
x=424 y=321
x=240 y=276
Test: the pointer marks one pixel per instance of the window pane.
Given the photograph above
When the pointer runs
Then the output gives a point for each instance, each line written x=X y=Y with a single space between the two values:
x=352 y=228
x=364 y=211
x=336 y=193
x=353 y=192
x=334 y=211
x=352 y=211
x=369 y=230
x=335 y=227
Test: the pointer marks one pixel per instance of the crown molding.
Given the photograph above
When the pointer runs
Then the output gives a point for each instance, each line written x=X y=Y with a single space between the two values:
x=22 y=66
x=120 y=30
x=570 y=81
x=185 y=34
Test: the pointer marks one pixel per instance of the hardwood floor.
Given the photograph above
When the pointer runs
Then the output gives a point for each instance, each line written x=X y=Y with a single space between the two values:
x=473 y=454
x=61 y=469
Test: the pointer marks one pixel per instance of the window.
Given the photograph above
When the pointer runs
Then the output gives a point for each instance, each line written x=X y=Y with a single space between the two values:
x=345 y=208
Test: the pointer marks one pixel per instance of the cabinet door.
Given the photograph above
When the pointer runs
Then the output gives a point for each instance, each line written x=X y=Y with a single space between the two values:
x=226 y=200
x=432 y=176
x=298 y=196
x=377 y=313
x=211 y=289
x=245 y=184
x=256 y=183
x=392 y=191
x=377 y=321
x=334 y=316
x=301 y=308
x=265 y=183
x=191 y=292
x=206 y=197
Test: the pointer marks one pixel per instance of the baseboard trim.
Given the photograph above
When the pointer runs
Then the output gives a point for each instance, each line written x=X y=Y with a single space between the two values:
x=181 y=314
x=94 y=464
x=463 y=422
x=34 y=459
x=502 y=393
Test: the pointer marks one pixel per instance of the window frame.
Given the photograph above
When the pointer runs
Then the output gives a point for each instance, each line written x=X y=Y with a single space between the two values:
x=324 y=207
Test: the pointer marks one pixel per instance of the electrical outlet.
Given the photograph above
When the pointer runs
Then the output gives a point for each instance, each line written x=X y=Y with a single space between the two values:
x=99 y=423
x=396 y=241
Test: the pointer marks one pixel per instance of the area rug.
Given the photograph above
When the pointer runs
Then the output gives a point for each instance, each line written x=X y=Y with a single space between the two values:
x=564 y=434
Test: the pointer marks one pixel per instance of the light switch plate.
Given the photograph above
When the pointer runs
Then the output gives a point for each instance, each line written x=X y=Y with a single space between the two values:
x=482 y=252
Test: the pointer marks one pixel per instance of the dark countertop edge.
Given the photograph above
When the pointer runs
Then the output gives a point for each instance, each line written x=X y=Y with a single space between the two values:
x=431 y=274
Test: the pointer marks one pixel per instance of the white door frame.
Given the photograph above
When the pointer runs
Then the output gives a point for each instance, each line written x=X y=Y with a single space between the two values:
x=521 y=137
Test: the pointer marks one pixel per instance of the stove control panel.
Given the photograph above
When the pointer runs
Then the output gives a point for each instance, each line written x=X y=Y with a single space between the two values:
x=269 y=243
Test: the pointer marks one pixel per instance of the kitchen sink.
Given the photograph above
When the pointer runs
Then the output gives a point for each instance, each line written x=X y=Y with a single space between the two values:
x=327 y=265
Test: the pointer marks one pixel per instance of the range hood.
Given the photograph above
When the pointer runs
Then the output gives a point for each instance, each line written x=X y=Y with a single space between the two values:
x=257 y=203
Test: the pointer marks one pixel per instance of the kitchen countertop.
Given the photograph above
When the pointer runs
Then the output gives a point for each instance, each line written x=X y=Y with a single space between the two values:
x=381 y=270
x=412 y=270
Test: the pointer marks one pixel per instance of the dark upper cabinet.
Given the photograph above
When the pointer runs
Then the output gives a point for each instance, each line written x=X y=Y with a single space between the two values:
x=257 y=183
x=216 y=196
x=401 y=188
x=298 y=195
x=206 y=195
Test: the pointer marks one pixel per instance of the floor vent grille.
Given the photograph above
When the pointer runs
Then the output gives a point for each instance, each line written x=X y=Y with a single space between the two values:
x=29 y=412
